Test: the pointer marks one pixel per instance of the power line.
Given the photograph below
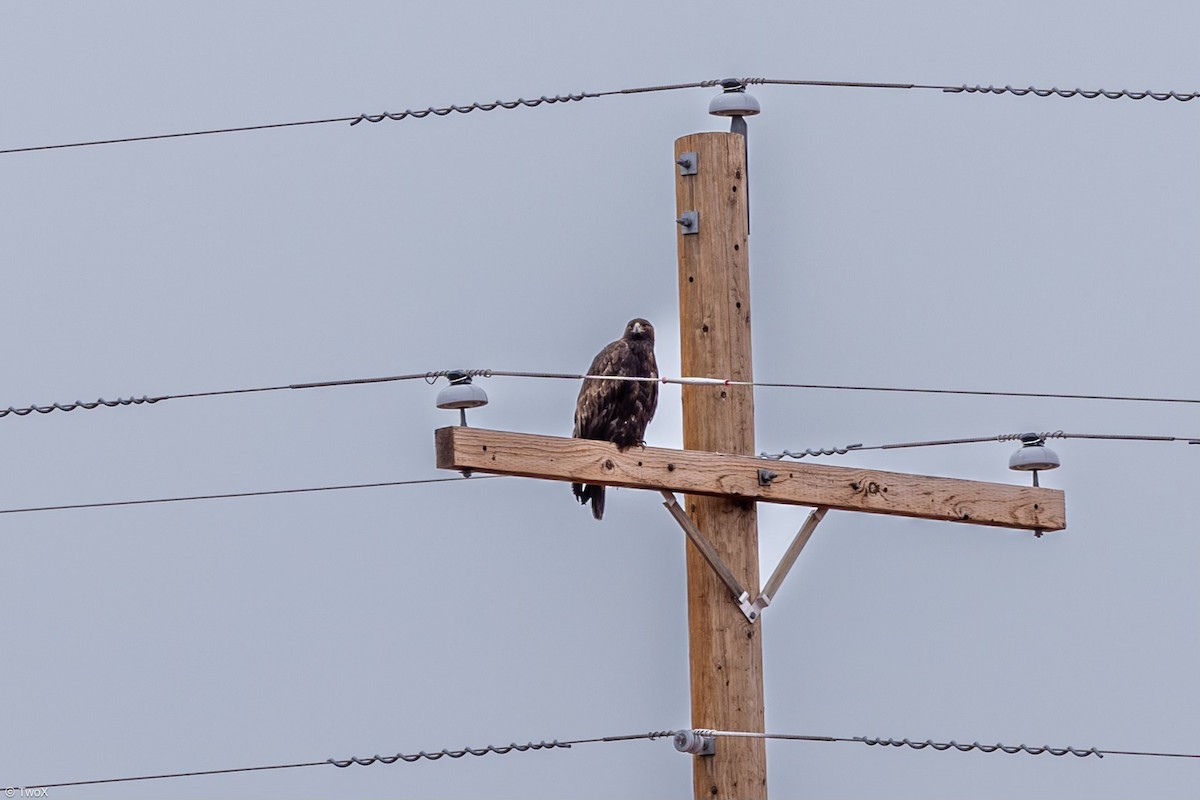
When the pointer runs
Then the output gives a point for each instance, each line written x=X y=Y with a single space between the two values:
x=432 y=376
x=982 y=393
x=1085 y=93
x=147 y=400
x=354 y=120
x=576 y=97
x=243 y=494
x=840 y=387
x=680 y=738
x=152 y=137
x=950 y=745
x=132 y=401
x=1089 y=94
x=1002 y=437
x=352 y=760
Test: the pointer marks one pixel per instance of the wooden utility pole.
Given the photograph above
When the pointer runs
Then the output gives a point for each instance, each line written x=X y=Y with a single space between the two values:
x=722 y=479
x=714 y=319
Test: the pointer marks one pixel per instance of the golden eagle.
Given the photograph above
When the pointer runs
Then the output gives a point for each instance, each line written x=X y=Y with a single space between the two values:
x=617 y=411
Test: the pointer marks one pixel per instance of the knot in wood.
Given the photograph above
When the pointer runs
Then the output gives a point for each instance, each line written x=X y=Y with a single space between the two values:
x=608 y=463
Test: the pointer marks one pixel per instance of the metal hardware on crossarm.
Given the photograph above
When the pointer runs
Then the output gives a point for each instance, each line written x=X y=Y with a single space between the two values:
x=751 y=609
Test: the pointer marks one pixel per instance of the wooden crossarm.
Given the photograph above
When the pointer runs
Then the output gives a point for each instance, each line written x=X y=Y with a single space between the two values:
x=718 y=474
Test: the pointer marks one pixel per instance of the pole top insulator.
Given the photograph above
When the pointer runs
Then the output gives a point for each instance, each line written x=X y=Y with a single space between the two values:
x=1033 y=455
x=734 y=101
x=461 y=393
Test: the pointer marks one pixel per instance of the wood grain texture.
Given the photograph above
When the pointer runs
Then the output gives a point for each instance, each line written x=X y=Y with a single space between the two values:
x=725 y=649
x=736 y=477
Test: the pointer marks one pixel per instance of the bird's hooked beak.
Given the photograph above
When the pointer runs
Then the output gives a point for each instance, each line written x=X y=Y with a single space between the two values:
x=637 y=327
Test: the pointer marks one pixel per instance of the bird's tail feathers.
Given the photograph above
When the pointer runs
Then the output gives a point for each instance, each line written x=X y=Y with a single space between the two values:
x=597 y=501
x=584 y=493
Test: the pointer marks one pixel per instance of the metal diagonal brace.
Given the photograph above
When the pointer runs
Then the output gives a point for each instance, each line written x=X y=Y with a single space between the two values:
x=741 y=596
x=752 y=610
x=790 y=556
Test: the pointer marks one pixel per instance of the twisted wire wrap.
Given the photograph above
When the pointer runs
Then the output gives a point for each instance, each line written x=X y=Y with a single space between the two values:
x=1002 y=437
x=480 y=751
x=978 y=89
x=132 y=401
x=820 y=451
x=1015 y=437
x=985 y=748
x=1183 y=97
x=431 y=377
x=420 y=113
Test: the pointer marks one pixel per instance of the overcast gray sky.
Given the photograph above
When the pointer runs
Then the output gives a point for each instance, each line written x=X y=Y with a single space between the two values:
x=900 y=238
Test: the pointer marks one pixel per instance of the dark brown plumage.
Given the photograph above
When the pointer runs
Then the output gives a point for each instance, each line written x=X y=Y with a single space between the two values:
x=617 y=411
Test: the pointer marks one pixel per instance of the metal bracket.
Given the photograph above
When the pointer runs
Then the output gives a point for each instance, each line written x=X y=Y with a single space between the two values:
x=690 y=222
x=696 y=743
x=790 y=556
x=687 y=163
x=741 y=596
x=751 y=609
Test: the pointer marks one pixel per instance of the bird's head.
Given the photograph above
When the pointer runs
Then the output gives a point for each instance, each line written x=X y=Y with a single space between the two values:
x=640 y=330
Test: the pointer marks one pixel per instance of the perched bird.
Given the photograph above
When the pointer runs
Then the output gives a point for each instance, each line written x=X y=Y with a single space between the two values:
x=617 y=411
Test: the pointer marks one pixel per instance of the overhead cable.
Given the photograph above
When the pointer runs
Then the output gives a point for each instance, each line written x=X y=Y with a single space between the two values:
x=836 y=387
x=357 y=118
x=521 y=102
x=131 y=401
x=1019 y=91
x=432 y=376
x=147 y=400
x=352 y=760
x=1085 y=93
x=111 y=504
x=950 y=745
x=152 y=137
x=557 y=744
x=1002 y=437
x=561 y=98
